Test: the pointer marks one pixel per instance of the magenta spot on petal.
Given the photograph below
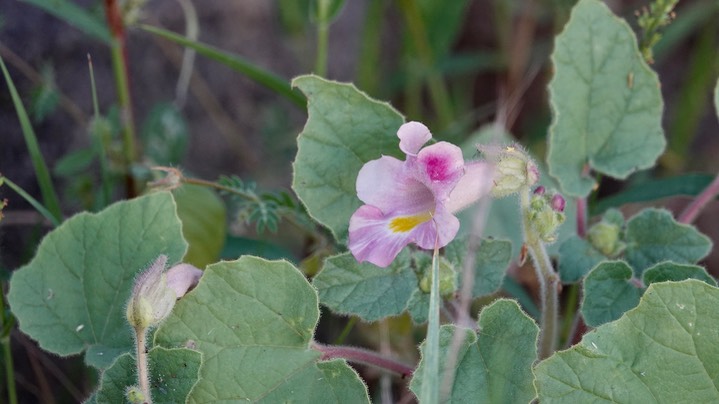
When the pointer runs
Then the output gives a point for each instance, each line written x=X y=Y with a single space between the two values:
x=437 y=168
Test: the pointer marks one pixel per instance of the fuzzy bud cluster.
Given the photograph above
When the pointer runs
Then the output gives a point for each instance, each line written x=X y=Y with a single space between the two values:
x=514 y=170
x=546 y=214
x=606 y=236
x=447 y=277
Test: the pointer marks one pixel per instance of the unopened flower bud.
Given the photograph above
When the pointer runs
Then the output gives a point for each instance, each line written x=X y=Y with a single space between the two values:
x=514 y=169
x=447 y=278
x=539 y=190
x=151 y=300
x=558 y=203
x=134 y=395
x=606 y=235
x=546 y=214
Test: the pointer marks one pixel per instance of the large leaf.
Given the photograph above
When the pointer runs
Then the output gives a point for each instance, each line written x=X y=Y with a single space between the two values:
x=494 y=365
x=666 y=350
x=71 y=297
x=653 y=236
x=253 y=320
x=609 y=293
x=365 y=290
x=344 y=130
x=173 y=373
x=671 y=271
x=203 y=216
x=490 y=263
x=606 y=101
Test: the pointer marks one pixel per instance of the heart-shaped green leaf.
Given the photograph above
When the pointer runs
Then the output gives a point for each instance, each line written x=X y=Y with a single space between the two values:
x=71 y=297
x=493 y=365
x=344 y=130
x=253 y=320
x=606 y=101
x=664 y=351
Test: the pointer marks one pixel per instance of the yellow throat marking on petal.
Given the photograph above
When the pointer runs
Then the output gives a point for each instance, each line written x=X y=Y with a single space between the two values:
x=404 y=224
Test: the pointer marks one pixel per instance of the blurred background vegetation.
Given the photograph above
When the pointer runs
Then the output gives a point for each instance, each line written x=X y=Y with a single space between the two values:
x=228 y=111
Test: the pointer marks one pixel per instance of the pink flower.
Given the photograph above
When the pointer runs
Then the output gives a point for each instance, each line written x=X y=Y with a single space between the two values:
x=413 y=201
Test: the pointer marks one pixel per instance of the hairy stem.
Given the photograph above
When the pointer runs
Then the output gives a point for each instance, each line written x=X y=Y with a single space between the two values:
x=700 y=202
x=363 y=356
x=548 y=282
x=322 y=37
x=143 y=375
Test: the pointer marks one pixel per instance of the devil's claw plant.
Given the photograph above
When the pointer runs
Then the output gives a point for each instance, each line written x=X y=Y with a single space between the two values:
x=401 y=224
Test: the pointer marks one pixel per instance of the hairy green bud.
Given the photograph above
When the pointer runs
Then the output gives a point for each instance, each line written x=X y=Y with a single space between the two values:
x=513 y=169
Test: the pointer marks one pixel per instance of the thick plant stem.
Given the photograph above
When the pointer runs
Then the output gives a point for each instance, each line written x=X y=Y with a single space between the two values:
x=430 y=377
x=322 y=37
x=700 y=202
x=364 y=356
x=549 y=282
x=118 y=52
x=7 y=355
x=143 y=375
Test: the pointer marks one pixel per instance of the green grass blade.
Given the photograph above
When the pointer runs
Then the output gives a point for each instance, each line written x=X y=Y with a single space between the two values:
x=76 y=16
x=430 y=378
x=49 y=195
x=32 y=201
x=237 y=63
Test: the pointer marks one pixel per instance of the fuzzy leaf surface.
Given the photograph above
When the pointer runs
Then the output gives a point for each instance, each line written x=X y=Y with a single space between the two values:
x=653 y=236
x=344 y=130
x=577 y=258
x=204 y=218
x=71 y=297
x=173 y=373
x=671 y=271
x=606 y=101
x=666 y=350
x=608 y=293
x=366 y=290
x=490 y=263
x=494 y=365
x=253 y=320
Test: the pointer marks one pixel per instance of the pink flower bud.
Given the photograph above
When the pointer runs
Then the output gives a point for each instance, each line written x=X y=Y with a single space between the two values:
x=539 y=190
x=558 y=203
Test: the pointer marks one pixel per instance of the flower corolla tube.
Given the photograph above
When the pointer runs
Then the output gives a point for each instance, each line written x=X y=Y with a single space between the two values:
x=413 y=201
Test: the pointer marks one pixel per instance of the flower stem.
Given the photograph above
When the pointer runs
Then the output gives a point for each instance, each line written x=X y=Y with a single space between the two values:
x=322 y=37
x=699 y=203
x=364 y=356
x=143 y=376
x=430 y=377
x=548 y=282
x=118 y=53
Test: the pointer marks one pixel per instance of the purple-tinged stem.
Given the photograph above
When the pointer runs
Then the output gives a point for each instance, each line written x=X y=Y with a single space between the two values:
x=582 y=217
x=363 y=356
x=700 y=202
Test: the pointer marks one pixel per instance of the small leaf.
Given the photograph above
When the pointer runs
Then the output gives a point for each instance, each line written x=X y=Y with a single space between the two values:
x=71 y=297
x=173 y=372
x=606 y=101
x=253 y=320
x=165 y=135
x=418 y=306
x=670 y=271
x=494 y=365
x=577 y=258
x=608 y=293
x=665 y=350
x=365 y=290
x=653 y=236
x=344 y=130
x=204 y=226
x=74 y=163
x=491 y=262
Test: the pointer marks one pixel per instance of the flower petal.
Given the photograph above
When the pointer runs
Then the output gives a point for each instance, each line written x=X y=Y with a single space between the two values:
x=474 y=184
x=439 y=167
x=370 y=237
x=385 y=184
x=412 y=136
x=439 y=231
